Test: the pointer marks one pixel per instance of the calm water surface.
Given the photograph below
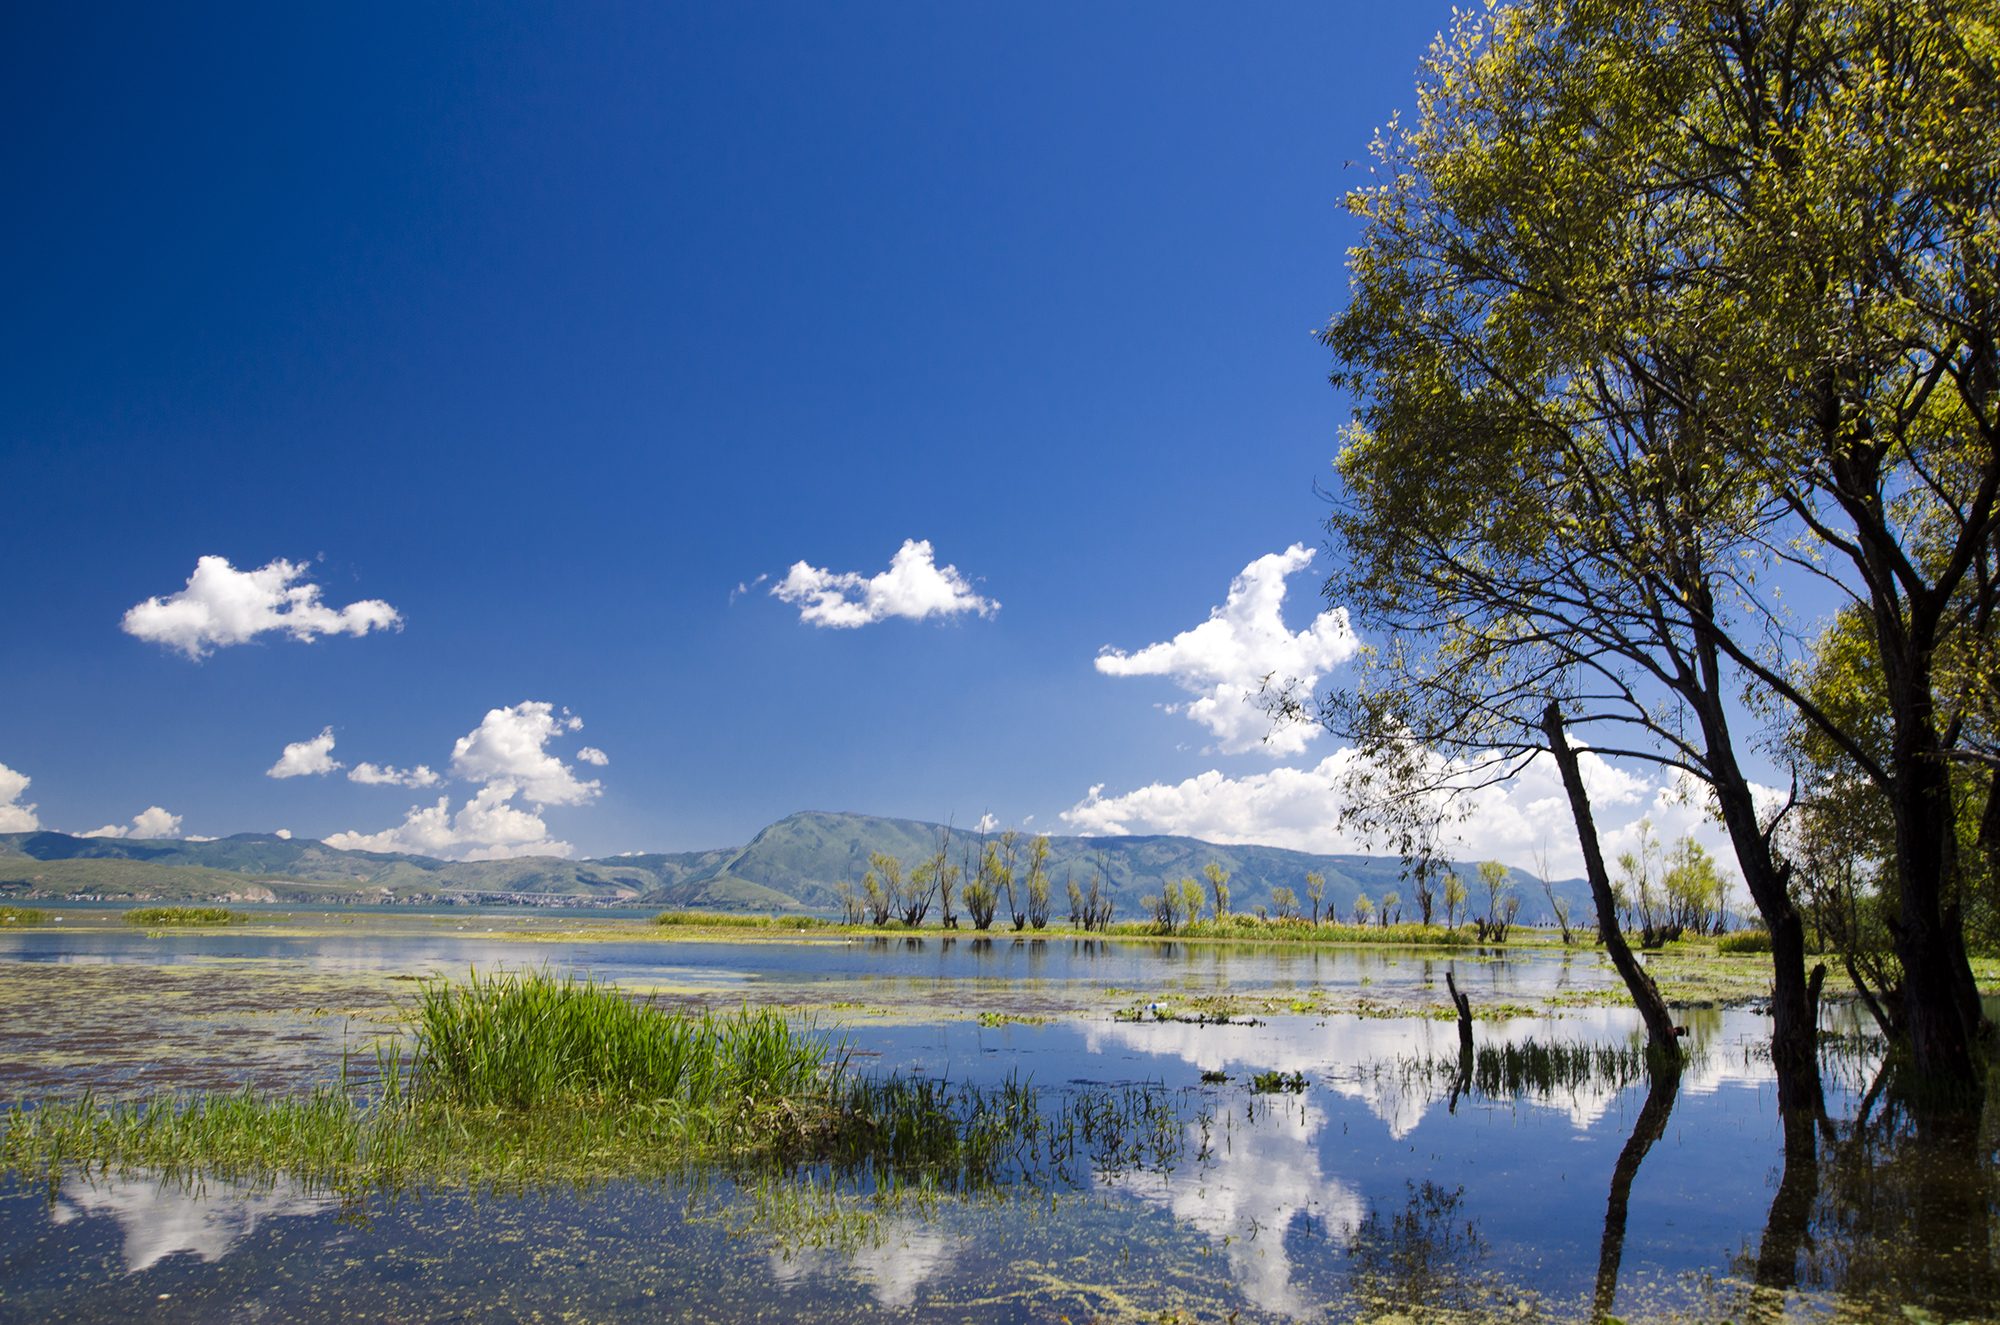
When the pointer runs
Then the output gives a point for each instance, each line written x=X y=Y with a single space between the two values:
x=1384 y=1186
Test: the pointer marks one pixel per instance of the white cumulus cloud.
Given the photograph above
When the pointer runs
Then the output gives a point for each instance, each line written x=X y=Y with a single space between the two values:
x=222 y=606
x=507 y=746
x=388 y=775
x=303 y=757
x=507 y=753
x=590 y=754
x=149 y=822
x=1223 y=660
x=14 y=816
x=488 y=827
x=914 y=586
x=1300 y=808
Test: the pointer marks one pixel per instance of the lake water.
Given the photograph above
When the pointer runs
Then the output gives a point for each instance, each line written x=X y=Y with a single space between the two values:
x=1385 y=1187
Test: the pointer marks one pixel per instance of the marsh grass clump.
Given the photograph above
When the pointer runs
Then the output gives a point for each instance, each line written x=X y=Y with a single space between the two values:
x=1744 y=942
x=530 y=1041
x=713 y=920
x=157 y=917
x=22 y=915
x=1543 y=1069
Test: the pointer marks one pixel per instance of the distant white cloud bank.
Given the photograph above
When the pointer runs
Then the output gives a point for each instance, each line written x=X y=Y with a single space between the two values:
x=507 y=754
x=914 y=586
x=222 y=606
x=150 y=822
x=14 y=816
x=1300 y=808
x=1224 y=660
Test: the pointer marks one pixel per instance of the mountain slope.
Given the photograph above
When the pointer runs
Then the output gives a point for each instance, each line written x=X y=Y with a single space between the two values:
x=805 y=858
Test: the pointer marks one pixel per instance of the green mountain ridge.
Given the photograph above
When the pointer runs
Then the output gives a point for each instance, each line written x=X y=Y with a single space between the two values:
x=796 y=864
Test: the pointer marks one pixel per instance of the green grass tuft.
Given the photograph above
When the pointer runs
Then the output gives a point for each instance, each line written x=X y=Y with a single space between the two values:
x=1744 y=941
x=155 y=917
x=21 y=915
x=533 y=1041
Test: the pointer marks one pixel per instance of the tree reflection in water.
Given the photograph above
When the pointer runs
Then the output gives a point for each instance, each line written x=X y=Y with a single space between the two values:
x=1652 y=1125
x=1896 y=1206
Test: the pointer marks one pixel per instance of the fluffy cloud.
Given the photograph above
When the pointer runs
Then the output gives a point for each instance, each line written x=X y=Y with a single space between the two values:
x=507 y=753
x=1225 y=658
x=388 y=775
x=507 y=747
x=590 y=754
x=15 y=817
x=489 y=827
x=914 y=586
x=303 y=757
x=150 y=822
x=222 y=606
x=1300 y=808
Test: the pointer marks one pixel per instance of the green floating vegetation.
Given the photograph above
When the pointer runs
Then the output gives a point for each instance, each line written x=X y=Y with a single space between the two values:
x=22 y=915
x=1274 y=1082
x=157 y=917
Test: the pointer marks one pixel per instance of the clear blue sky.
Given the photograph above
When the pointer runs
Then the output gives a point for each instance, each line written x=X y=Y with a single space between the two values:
x=549 y=327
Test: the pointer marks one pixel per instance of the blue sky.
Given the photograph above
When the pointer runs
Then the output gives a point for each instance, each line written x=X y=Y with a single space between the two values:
x=551 y=330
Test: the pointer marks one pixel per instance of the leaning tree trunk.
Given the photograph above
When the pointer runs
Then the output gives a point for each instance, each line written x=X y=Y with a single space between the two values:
x=1645 y=994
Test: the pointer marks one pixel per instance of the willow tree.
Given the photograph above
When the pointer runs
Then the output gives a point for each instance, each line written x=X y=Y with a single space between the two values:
x=1639 y=335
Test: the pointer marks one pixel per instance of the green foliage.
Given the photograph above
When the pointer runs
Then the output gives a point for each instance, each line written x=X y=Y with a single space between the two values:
x=1038 y=881
x=1744 y=941
x=21 y=915
x=159 y=917
x=1454 y=897
x=1218 y=888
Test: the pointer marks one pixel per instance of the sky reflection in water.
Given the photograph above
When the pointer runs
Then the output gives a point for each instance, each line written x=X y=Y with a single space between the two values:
x=1277 y=1205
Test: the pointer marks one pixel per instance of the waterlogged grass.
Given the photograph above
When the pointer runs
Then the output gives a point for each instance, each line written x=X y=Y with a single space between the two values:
x=532 y=1041
x=522 y=1080
x=22 y=915
x=156 y=917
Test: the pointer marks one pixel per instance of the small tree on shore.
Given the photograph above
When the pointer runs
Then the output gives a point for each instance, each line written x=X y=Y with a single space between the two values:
x=1218 y=887
x=1454 y=897
x=1316 y=890
x=1038 y=882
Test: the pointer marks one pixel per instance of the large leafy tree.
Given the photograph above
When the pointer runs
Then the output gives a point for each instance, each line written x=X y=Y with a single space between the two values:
x=1661 y=307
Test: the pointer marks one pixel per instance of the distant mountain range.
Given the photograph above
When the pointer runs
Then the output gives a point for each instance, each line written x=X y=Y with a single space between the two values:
x=796 y=864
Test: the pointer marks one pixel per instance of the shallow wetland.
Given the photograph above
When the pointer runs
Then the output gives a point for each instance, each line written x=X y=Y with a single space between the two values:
x=1197 y=1132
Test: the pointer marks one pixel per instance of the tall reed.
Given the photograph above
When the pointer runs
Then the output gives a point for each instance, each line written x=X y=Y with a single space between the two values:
x=528 y=1041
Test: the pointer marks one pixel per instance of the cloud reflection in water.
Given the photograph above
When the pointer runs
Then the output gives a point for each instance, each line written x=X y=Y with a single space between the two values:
x=162 y=1218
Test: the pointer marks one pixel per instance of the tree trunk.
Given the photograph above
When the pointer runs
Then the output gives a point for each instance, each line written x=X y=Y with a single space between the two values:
x=1935 y=970
x=1645 y=994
